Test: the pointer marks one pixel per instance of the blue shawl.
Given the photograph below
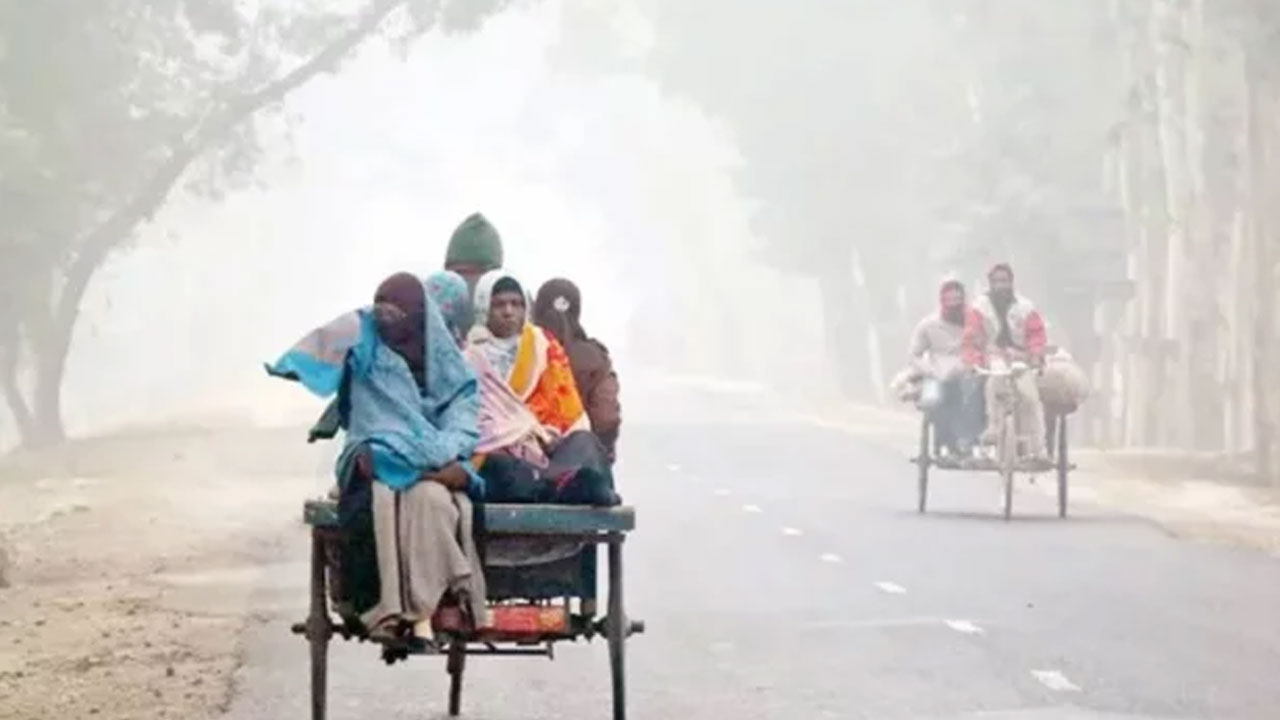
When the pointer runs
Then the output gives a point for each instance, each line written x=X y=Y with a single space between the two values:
x=407 y=430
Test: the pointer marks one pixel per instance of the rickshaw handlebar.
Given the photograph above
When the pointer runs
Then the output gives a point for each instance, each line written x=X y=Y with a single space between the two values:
x=1016 y=369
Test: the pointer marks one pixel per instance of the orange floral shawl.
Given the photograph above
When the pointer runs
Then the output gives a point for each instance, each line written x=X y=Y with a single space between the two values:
x=543 y=379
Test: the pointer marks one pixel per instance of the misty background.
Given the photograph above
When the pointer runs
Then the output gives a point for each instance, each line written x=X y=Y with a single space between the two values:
x=752 y=190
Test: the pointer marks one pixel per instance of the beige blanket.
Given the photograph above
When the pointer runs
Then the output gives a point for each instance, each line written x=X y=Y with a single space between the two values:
x=1064 y=386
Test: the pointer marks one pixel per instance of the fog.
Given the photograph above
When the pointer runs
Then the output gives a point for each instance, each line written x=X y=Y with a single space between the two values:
x=802 y=176
x=587 y=175
x=761 y=201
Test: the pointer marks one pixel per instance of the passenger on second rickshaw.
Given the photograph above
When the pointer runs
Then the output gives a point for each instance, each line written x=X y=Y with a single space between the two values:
x=536 y=441
x=937 y=351
x=1005 y=323
x=558 y=309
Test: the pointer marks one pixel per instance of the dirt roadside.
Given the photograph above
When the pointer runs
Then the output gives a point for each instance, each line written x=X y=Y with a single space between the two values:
x=132 y=558
x=99 y=619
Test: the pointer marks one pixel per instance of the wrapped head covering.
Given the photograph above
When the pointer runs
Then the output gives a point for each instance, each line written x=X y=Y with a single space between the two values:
x=449 y=292
x=474 y=244
x=559 y=310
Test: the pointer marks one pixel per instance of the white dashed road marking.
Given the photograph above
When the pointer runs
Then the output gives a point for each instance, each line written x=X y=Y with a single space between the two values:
x=874 y=623
x=673 y=468
x=723 y=492
x=831 y=558
x=963 y=626
x=792 y=532
x=752 y=509
x=891 y=588
x=1055 y=681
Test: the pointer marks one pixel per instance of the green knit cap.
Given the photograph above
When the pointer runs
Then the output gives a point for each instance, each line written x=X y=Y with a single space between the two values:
x=476 y=242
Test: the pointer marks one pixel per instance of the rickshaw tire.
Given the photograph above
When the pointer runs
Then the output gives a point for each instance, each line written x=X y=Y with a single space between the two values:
x=1064 y=466
x=616 y=624
x=456 y=665
x=318 y=629
x=1008 y=459
x=923 y=461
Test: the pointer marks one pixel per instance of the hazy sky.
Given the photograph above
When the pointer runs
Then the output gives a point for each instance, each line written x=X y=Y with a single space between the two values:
x=592 y=175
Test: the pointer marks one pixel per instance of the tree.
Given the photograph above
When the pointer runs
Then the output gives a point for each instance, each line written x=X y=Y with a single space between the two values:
x=836 y=147
x=108 y=107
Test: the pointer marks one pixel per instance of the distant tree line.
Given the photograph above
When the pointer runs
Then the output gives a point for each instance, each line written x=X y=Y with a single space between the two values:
x=1125 y=156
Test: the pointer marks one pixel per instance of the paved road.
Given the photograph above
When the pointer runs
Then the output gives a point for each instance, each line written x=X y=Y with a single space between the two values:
x=782 y=574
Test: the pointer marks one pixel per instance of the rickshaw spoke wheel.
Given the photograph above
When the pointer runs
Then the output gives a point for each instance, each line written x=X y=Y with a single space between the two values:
x=319 y=628
x=923 y=461
x=1008 y=459
x=1064 y=466
x=456 y=665
x=617 y=626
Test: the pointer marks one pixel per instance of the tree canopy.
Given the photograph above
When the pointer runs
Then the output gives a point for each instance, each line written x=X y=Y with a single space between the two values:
x=109 y=106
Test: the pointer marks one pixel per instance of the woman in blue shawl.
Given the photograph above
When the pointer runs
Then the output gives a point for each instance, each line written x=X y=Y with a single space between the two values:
x=408 y=403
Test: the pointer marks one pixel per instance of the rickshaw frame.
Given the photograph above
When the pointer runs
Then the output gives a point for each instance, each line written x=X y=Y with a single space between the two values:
x=1007 y=461
x=591 y=526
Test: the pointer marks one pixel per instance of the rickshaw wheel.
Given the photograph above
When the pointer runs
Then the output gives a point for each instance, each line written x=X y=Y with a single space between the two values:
x=1064 y=465
x=456 y=664
x=1008 y=458
x=923 y=461
x=617 y=628
x=318 y=628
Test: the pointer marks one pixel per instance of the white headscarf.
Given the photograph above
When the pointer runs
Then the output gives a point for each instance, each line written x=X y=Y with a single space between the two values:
x=500 y=352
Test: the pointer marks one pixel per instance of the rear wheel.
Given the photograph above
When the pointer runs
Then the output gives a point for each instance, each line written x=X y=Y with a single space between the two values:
x=617 y=626
x=1008 y=459
x=456 y=664
x=318 y=628
x=1064 y=465
x=923 y=460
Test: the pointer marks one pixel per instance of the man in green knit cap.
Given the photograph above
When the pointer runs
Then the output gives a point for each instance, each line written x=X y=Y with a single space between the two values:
x=474 y=249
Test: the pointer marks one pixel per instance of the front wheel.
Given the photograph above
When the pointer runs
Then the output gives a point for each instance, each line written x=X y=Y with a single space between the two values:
x=1064 y=466
x=318 y=628
x=456 y=665
x=616 y=626
x=923 y=460
x=1008 y=453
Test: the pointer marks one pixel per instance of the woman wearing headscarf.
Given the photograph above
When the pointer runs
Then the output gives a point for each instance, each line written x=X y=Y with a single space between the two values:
x=408 y=402
x=530 y=407
x=558 y=309
x=505 y=422
x=530 y=359
x=448 y=290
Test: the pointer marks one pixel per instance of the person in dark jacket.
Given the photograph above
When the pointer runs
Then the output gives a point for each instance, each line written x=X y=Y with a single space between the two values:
x=558 y=309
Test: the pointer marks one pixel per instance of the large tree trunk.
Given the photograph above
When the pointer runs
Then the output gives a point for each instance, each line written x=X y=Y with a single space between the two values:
x=52 y=350
x=1140 y=184
x=1168 y=37
x=1261 y=164
x=38 y=413
x=19 y=408
x=1202 y=334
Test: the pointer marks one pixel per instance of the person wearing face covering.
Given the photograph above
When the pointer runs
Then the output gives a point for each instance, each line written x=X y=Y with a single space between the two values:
x=1004 y=323
x=558 y=309
x=408 y=403
x=936 y=352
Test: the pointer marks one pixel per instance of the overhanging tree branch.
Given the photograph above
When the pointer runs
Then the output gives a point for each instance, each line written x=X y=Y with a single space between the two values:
x=94 y=248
